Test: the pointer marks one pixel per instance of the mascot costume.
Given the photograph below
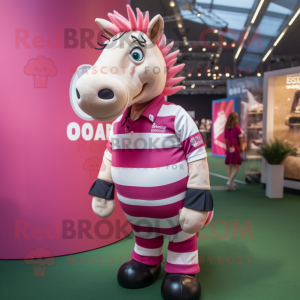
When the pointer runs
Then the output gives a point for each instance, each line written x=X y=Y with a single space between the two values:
x=155 y=157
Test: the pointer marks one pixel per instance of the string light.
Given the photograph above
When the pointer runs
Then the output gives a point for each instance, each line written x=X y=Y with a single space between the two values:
x=172 y=3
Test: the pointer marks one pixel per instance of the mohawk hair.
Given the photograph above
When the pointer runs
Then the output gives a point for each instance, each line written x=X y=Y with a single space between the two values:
x=141 y=23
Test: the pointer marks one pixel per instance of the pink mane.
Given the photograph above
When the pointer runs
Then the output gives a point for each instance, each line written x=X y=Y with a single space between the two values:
x=121 y=24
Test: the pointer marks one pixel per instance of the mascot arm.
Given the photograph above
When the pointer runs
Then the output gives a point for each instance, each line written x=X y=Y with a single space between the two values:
x=103 y=203
x=198 y=205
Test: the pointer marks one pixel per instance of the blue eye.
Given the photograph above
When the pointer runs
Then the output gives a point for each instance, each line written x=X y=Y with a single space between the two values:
x=137 y=54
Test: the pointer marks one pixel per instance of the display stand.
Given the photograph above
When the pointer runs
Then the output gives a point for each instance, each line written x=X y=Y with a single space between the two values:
x=249 y=106
x=281 y=89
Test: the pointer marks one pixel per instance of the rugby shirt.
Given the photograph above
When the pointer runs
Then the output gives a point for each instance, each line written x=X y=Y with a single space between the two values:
x=149 y=161
x=151 y=154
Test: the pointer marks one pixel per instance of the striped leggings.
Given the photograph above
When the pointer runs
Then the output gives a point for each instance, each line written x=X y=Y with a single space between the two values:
x=182 y=254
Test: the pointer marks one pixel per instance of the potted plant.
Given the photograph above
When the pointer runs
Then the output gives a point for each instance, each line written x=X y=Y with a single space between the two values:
x=275 y=153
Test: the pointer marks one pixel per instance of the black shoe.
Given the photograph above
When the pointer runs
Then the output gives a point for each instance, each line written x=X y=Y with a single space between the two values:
x=135 y=275
x=180 y=287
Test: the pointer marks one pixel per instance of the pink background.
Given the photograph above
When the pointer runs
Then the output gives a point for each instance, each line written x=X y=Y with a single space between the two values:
x=43 y=178
x=228 y=107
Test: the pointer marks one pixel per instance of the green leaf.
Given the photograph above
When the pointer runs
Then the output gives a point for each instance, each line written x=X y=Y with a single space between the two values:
x=276 y=151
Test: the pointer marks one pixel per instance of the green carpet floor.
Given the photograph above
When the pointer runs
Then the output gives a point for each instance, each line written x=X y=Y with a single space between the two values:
x=261 y=263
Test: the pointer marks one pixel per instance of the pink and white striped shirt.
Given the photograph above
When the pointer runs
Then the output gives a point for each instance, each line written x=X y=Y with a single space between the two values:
x=149 y=158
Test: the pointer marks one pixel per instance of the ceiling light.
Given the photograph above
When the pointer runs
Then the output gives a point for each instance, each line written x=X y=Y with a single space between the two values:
x=216 y=30
x=179 y=25
x=294 y=17
x=172 y=3
x=227 y=74
x=216 y=68
x=208 y=74
x=246 y=35
x=257 y=11
x=198 y=15
x=258 y=74
x=193 y=85
x=238 y=52
x=203 y=49
x=268 y=53
x=214 y=78
x=280 y=37
x=190 y=74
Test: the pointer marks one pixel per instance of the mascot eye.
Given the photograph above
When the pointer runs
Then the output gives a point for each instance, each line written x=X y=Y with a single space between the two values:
x=137 y=54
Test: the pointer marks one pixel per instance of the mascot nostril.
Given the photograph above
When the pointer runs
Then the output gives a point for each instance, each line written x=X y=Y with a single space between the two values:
x=106 y=94
x=77 y=93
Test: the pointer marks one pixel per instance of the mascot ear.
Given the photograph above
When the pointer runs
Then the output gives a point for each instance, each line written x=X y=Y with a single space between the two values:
x=108 y=28
x=155 y=28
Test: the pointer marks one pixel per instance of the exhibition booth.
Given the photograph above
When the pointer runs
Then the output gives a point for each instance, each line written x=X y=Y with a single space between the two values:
x=282 y=119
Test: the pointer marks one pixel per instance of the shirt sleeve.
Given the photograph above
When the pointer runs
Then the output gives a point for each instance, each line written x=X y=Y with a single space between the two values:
x=108 y=150
x=239 y=131
x=191 y=140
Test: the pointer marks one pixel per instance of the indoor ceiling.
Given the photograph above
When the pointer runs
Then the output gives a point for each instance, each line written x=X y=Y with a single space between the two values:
x=221 y=39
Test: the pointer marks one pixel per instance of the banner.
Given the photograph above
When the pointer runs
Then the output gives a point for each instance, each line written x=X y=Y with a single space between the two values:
x=51 y=152
x=220 y=112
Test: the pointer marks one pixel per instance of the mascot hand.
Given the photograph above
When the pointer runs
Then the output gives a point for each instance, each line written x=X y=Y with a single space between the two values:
x=192 y=221
x=103 y=208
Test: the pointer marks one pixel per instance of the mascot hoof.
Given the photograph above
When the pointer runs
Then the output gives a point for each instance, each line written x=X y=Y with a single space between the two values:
x=135 y=275
x=180 y=287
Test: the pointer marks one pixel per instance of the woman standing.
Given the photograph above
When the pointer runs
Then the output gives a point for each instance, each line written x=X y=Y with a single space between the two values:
x=234 y=144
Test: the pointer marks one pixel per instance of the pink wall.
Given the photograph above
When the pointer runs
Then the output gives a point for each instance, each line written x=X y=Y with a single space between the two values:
x=45 y=176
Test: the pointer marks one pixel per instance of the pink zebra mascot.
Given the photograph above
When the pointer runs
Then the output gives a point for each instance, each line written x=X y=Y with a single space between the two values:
x=155 y=157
